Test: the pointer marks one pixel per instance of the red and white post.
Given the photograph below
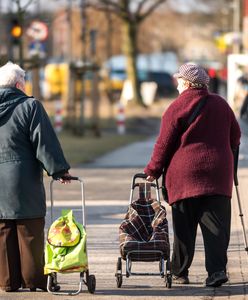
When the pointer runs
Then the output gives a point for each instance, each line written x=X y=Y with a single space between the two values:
x=121 y=119
x=58 y=118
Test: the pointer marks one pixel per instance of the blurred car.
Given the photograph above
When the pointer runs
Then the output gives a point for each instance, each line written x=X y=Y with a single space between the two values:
x=117 y=78
x=56 y=77
x=166 y=85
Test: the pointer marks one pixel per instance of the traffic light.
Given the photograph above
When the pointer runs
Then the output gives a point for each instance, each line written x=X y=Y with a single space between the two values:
x=15 y=32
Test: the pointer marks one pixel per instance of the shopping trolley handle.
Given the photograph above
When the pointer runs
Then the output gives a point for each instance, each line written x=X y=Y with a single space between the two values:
x=69 y=177
x=139 y=175
x=142 y=176
x=66 y=177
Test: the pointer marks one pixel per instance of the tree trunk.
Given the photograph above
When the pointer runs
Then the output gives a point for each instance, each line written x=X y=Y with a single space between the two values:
x=95 y=102
x=130 y=51
x=109 y=38
x=36 y=82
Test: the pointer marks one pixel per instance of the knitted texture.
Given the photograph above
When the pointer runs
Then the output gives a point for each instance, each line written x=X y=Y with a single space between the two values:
x=193 y=73
x=198 y=161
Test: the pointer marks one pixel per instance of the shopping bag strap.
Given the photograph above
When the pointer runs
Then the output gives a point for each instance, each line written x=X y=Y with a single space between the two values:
x=195 y=113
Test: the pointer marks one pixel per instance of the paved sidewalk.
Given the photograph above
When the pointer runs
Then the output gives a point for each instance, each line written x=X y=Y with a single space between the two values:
x=107 y=187
x=134 y=155
x=139 y=153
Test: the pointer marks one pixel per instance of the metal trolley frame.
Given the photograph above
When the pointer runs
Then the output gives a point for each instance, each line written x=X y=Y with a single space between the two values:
x=164 y=269
x=85 y=277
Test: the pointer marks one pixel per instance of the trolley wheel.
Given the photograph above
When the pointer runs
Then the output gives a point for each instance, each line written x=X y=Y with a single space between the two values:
x=119 y=265
x=91 y=283
x=129 y=264
x=168 y=275
x=168 y=281
x=160 y=267
x=53 y=283
x=119 y=280
x=118 y=273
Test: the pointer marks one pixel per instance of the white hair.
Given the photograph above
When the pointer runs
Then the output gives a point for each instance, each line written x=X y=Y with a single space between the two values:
x=10 y=74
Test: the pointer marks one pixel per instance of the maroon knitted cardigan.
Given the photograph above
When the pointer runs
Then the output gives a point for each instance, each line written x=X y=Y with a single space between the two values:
x=198 y=161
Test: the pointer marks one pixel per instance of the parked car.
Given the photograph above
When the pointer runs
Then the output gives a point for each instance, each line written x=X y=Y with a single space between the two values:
x=165 y=82
x=117 y=78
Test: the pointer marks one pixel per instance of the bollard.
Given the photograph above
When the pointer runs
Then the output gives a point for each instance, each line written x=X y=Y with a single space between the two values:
x=120 y=119
x=58 y=116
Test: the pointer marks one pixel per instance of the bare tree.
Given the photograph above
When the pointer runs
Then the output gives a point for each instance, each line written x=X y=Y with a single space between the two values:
x=131 y=13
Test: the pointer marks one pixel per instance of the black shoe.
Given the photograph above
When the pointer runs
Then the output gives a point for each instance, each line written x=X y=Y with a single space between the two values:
x=53 y=288
x=216 y=279
x=180 y=279
x=44 y=289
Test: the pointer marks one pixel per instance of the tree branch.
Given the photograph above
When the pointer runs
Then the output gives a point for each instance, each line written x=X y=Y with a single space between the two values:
x=102 y=4
x=103 y=8
x=124 y=12
x=150 y=9
x=110 y=6
x=24 y=7
x=27 y=4
x=140 y=6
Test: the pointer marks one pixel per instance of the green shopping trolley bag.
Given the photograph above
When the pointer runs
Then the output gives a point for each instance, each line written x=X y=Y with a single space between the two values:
x=66 y=248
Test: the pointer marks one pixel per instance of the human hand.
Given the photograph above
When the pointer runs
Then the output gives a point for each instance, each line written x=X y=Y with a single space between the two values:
x=150 y=178
x=65 y=178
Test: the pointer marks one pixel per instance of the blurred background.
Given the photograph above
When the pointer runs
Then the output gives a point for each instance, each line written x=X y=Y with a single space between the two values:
x=103 y=68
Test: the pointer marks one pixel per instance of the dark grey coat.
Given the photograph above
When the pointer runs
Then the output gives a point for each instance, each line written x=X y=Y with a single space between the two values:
x=28 y=144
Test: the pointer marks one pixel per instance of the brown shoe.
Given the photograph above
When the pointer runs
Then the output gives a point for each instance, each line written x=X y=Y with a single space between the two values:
x=180 y=279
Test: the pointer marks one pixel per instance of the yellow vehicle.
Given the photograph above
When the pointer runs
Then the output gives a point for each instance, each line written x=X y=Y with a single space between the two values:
x=56 y=77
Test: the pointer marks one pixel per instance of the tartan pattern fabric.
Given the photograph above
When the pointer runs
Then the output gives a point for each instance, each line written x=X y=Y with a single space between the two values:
x=193 y=73
x=144 y=227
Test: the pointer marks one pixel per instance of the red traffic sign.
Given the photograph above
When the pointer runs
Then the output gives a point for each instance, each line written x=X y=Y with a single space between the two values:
x=38 y=31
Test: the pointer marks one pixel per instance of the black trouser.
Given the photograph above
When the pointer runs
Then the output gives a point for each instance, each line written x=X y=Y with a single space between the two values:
x=213 y=214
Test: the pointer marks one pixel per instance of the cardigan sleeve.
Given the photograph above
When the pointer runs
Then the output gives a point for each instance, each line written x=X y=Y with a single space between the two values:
x=165 y=146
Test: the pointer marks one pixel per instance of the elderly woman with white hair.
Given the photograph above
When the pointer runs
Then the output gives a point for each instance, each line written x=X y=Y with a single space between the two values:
x=196 y=157
x=28 y=144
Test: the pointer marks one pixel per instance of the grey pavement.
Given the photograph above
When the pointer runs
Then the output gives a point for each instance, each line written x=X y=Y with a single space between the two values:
x=134 y=155
x=139 y=153
x=107 y=188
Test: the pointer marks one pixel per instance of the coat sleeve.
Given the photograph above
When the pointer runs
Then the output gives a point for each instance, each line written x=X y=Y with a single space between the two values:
x=45 y=142
x=165 y=146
